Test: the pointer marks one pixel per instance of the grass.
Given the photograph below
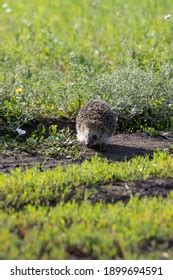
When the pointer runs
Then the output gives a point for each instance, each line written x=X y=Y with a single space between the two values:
x=76 y=182
x=53 y=66
x=48 y=215
x=54 y=56
x=140 y=229
x=97 y=31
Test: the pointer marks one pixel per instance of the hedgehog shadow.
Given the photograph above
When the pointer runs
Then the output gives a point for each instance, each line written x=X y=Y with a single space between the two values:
x=115 y=152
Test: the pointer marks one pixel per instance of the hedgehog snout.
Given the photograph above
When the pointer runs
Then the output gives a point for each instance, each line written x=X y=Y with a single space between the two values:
x=87 y=141
x=91 y=140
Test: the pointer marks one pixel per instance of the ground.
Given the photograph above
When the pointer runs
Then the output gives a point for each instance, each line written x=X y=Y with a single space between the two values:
x=124 y=147
x=59 y=199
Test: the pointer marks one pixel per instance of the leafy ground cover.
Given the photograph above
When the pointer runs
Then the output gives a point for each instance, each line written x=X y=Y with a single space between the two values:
x=54 y=56
x=123 y=147
x=75 y=182
x=140 y=229
x=71 y=212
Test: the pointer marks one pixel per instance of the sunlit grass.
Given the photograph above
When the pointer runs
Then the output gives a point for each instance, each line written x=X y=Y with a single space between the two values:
x=141 y=229
x=76 y=182
x=54 y=56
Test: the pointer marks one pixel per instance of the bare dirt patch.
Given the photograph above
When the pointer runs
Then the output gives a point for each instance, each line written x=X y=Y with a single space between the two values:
x=123 y=147
x=123 y=191
x=126 y=146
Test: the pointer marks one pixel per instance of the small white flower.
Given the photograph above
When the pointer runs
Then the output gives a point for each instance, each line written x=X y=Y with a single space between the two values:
x=4 y=5
x=96 y=52
x=68 y=157
x=20 y=131
x=166 y=17
x=165 y=255
x=133 y=110
x=8 y=10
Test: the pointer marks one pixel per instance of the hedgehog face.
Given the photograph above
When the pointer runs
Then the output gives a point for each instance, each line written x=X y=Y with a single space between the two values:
x=91 y=135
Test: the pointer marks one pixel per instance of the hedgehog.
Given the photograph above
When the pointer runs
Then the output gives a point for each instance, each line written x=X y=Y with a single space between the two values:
x=95 y=123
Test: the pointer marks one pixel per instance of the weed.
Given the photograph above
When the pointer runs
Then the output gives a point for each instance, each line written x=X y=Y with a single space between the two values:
x=71 y=183
x=54 y=57
x=138 y=230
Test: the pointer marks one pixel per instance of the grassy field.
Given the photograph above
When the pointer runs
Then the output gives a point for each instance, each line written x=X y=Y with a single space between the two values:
x=89 y=231
x=54 y=57
x=52 y=214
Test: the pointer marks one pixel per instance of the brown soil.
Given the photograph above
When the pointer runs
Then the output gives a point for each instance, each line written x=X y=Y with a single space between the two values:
x=126 y=146
x=123 y=147
x=123 y=191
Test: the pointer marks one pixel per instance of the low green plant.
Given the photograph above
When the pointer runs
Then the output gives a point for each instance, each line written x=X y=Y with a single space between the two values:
x=76 y=182
x=85 y=50
x=150 y=131
x=141 y=98
x=55 y=56
x=58 y=143
x=54 y=143
x=141 y=229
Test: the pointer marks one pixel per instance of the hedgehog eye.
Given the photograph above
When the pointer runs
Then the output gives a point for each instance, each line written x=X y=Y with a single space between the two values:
x=94 y=137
